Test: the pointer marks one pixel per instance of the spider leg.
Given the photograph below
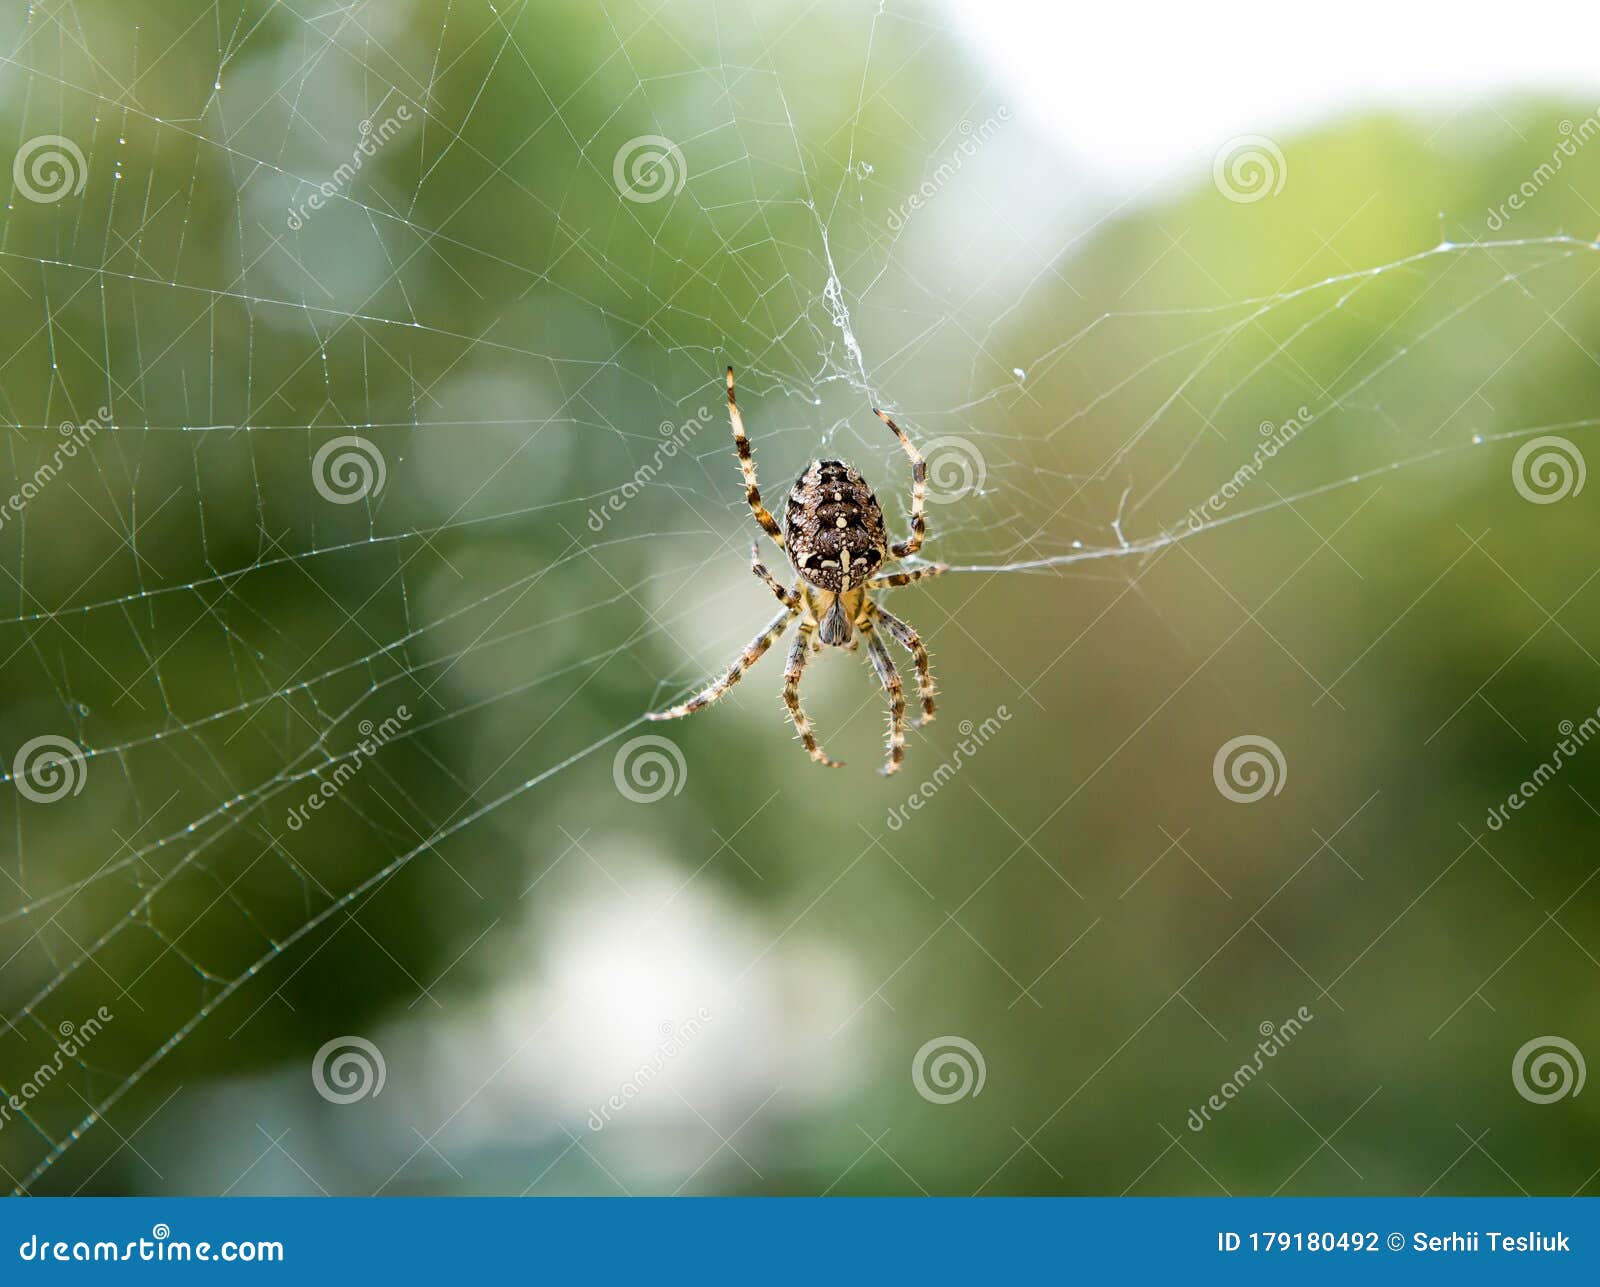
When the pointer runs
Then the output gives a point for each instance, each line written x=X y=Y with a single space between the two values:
x=919 y=492
x=791 y=697
x=751 y=655
x=747 y=466
x=911 y=641
x=890 y=677
x=906 y=578
x=790 y=598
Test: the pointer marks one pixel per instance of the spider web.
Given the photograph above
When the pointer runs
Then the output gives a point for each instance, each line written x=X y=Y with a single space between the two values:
x=517 y=340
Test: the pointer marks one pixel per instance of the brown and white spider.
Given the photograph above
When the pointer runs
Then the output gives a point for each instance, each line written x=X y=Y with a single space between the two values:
x=834 y=535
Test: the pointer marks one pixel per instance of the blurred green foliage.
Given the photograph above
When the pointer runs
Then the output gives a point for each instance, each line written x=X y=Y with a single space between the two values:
x=1079 y=900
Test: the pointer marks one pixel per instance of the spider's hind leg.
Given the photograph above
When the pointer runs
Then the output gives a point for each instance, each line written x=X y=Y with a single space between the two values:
x=752 y=654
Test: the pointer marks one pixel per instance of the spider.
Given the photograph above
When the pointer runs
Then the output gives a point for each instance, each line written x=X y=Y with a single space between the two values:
x=834 y=536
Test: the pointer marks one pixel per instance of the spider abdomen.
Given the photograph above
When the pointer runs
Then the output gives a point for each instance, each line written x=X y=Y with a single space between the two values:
x=833 y=527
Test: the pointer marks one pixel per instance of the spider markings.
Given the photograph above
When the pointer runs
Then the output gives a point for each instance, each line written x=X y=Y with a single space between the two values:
x=834 y=535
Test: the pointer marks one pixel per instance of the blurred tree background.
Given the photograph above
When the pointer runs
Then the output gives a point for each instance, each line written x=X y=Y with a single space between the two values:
x=511 y=249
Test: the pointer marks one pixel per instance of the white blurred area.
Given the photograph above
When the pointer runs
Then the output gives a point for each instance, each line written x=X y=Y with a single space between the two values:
x=601 y=966
x=1138 y=96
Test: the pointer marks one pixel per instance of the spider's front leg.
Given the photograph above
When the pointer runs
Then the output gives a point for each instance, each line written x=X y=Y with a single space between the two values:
x=751 y=655
x=791 y=696
x=919 y=492
x=890 y=677
x=747 y=467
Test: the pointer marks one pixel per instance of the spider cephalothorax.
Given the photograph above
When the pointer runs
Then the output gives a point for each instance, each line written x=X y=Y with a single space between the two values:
x=834 y=535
